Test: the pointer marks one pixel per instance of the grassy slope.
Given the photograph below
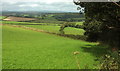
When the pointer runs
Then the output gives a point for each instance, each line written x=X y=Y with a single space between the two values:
x=50 y=27
x=55 y=29
x=25 y=49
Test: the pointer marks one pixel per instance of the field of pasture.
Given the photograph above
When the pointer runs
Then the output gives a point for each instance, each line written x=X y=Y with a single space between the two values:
x=24 y=49
x=29 y=49
x=48 y=27
x=55 y=29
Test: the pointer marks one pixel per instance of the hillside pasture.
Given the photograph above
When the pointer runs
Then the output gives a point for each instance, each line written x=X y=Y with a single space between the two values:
x=25 y=23
x=26 y=49
x=48 y=27
x=55 y=29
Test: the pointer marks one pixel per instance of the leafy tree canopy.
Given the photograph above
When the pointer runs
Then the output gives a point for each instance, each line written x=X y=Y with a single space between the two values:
x=102 y=22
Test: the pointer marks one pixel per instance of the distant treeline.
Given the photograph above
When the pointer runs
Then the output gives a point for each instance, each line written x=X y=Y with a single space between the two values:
x=69 y=17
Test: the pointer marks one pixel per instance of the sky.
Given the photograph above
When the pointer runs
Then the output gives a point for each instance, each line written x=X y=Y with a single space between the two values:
x=39 y=5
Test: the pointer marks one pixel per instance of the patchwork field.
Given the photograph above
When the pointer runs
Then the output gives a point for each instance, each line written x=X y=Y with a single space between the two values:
x=10 y=18
x=48 y=27
x=26 y=49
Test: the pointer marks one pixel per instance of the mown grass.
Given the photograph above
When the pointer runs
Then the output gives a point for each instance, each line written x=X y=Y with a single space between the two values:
x=26 y=49
x=55 y=29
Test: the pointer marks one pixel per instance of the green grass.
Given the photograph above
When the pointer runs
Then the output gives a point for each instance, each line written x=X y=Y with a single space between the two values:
x=75 y=31
x=21 y=23
x=79 y=23
x=2 y=17
x=55 y=29
x=26 y=49
x=12 y=22
x=49 y=27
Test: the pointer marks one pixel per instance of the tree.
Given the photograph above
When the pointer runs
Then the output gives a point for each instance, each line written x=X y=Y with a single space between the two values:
x=102 y=22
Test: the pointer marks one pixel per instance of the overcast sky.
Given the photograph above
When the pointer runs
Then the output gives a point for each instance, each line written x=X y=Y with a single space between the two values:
x=39 y=5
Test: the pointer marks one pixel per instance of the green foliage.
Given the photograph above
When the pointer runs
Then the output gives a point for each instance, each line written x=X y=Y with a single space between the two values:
x=70 y=17
x=69 y=24
x=110 y=61
x=92 y=30
x=102 y=22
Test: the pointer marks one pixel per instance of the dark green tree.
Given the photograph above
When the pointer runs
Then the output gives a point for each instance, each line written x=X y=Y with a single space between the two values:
x=102 y=22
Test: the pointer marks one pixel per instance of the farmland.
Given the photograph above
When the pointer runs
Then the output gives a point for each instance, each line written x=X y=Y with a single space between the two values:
x=48 y=27
x=47 y=51
x=30 y=49
x=55 y=35
x=24 y=23
x=55 y=29
x=18 y=19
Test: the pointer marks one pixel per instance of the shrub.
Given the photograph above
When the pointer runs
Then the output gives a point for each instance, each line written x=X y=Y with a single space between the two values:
x=110 y=61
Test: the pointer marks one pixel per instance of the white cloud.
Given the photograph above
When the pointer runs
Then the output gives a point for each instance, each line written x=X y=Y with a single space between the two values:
x=46 y=1
x=39 y=5
x=29 y=5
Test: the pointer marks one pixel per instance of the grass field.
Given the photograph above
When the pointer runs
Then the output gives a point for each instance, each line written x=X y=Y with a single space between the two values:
x=15 y=22
x=26 y=49
x=22 y=23
x=2 y=17
x=49 y=27
x=55 y=29
x=79 y=23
